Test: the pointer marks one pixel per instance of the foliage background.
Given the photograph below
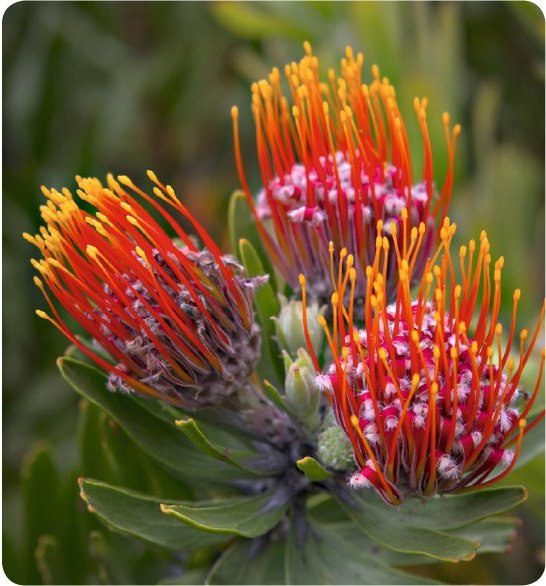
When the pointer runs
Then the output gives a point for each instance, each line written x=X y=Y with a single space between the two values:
x=96 y=87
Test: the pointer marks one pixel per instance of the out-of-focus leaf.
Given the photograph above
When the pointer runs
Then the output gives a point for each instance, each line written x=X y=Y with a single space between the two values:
x=91 y=456
x=251 y=21
x=267 y=307
x=40 y=486
x=49 y=560
x=244 y=563
x=314 y=470
x=140 y=516
x=377 y=521
x=108 y=567
x=189 y=578
x=313 y=563
x=11 y=561
x=241 y=224
x=244 y=516
x=195 y=435
x=160 y=440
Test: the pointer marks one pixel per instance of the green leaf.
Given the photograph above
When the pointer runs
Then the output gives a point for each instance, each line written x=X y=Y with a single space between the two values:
x=189 y=578
x=244 y=516
x=195 y=435
x=40 y=486
x=275 y=395
x=252 y=22
x=494 y=535
x=157 y=437
x=458 y=510
x=106 y=560
x=314 y=470
x=140 y=516
x=91 y=457
x=313 y=562
x=382 y=524
x=267 y=306
x=49 y=560
x=241 y=224
x=242 y=563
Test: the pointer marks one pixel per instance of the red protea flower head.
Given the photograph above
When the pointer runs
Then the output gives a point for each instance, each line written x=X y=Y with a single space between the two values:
x=332 y=165
x=425 y=388
x=175 y=320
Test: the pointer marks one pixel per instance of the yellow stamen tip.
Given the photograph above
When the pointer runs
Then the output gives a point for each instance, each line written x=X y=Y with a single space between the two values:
x=354 y=421
x=140 y=252
x=92 y=251
x=124 y=180
x=382 y=353
x=41 y=314
x=522 y=423
x=301 y=279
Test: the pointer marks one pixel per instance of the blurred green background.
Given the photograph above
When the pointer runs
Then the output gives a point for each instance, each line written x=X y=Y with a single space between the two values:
x=96 y=87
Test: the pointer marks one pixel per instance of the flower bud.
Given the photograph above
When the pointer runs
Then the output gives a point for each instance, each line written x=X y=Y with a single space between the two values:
x=302 y=394
x=334 y=449
x=289 y=325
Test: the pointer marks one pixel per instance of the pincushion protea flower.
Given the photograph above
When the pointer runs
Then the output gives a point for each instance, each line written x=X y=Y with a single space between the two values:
x=426 y=391
x=334 y=164
x=177 y=321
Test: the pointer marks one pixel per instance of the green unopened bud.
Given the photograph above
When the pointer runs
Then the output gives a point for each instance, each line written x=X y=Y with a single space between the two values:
x=302 y=393
x=289 y=325
x=334 y=449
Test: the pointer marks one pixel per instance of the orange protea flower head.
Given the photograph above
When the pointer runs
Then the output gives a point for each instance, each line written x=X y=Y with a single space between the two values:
x=425 y=389
x=168 y=319
x=333 y=163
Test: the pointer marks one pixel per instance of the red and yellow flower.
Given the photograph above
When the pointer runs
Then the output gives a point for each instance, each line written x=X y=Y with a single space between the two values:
x=168 y=319
x=425 y=388
x=334 y=159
